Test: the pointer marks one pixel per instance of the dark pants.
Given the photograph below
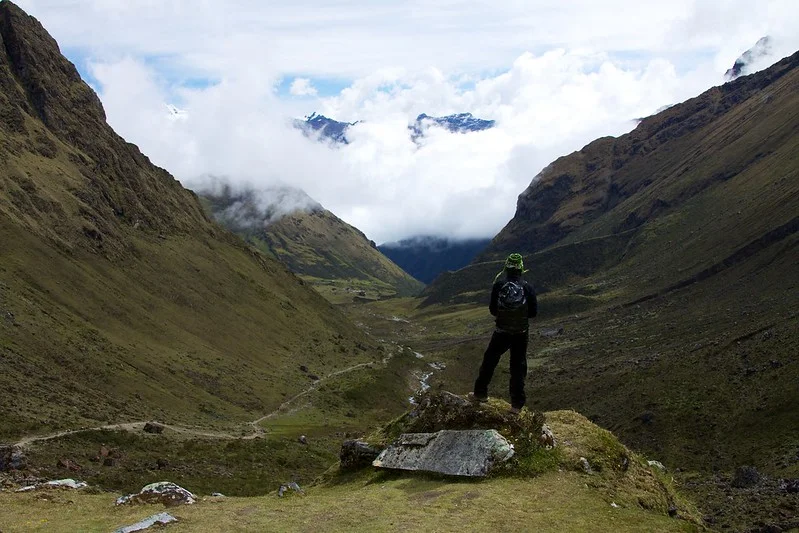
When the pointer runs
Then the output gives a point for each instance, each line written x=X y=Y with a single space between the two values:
x=500 y=343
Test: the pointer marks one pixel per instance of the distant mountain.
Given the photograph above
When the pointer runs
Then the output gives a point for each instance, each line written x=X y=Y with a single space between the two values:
x=426 y=257
x=458 y=123
x=312 y=242
x=743 y=64
x=325 y=128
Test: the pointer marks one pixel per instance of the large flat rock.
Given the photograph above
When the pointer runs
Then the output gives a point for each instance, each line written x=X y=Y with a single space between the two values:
x=456 y=453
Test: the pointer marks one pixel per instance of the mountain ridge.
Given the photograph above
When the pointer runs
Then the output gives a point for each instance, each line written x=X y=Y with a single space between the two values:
x=120 y=298
x=335 y=257
x=425 y=257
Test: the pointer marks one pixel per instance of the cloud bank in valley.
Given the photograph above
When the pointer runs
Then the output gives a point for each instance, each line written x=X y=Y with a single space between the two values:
x=546 y=103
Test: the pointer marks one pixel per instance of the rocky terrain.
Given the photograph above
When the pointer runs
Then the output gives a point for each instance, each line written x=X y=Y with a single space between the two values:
x=321 y=127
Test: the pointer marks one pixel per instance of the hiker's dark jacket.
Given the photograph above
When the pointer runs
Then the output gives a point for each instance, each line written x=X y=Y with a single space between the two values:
x=518 y=323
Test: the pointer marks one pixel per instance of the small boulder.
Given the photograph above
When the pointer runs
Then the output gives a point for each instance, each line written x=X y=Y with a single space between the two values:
x=657 y=464
x=791 y=486
x=294 y=487
x=68 y=464
x=153 y=427
x=163 y=492
x=357 y=454
x=551 y=332
x=547 y=438
x=56 y=484
x=456 y=453
x=585 y=466
x=12 y=458
x=746 y=477
x=160 y=519
x=303 y=439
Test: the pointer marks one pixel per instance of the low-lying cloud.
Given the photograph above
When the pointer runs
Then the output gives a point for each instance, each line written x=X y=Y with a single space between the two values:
x=446 y=184
x=592 y=70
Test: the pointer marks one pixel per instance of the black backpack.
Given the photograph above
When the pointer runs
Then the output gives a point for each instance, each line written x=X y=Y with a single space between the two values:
x=512 y=307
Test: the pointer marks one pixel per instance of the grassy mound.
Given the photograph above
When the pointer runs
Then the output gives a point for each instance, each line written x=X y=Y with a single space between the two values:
x=619 y=476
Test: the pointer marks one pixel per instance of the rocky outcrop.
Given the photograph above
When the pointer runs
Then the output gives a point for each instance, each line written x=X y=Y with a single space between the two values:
x=153 y=427
x=55 y=484
x=470 y=453
x=357 y=454
x=163 y=492
x=160 y=519
x=12 y=458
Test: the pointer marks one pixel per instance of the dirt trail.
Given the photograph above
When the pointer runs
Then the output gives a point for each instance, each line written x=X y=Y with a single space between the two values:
x=255 y=429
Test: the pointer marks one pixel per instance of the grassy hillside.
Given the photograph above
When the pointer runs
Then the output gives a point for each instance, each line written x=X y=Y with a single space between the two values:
x=335 y=257
x=550 y=493
x=666 y=260
x=119 y=299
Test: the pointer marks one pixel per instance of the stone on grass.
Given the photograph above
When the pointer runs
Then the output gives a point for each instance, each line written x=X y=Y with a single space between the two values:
x=153 y=427
x=791 y=486
x=56 y=484
x=160 y=519
x=585 y=465
x=68 y=464
x=12 y=458
x=456 y=453
x=357 y=454
x=657 y=464
x=547 y=438
x=289 y=487
x=163 y=492
x=746 y=477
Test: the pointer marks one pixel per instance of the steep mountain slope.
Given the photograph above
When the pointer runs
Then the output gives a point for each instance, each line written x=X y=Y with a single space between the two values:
x=119 y=298
x=687 y=190
x=287 y=224
x=426 y=257
x=667 y=259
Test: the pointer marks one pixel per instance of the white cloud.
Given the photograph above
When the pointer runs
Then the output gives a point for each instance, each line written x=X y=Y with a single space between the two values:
x=302 y=87
x=554 y=75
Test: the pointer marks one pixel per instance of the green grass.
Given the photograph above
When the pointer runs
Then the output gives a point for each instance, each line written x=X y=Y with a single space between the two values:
x=555 y=502
x=544 y=489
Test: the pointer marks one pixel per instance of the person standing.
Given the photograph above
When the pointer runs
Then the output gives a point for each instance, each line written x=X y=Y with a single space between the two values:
x=513 y=303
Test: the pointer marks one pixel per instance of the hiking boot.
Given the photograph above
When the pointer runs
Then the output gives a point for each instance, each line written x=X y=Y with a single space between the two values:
x=477 y=399
x=515 y=410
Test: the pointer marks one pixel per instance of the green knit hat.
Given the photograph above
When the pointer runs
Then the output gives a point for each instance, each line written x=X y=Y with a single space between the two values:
x=514 y=262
